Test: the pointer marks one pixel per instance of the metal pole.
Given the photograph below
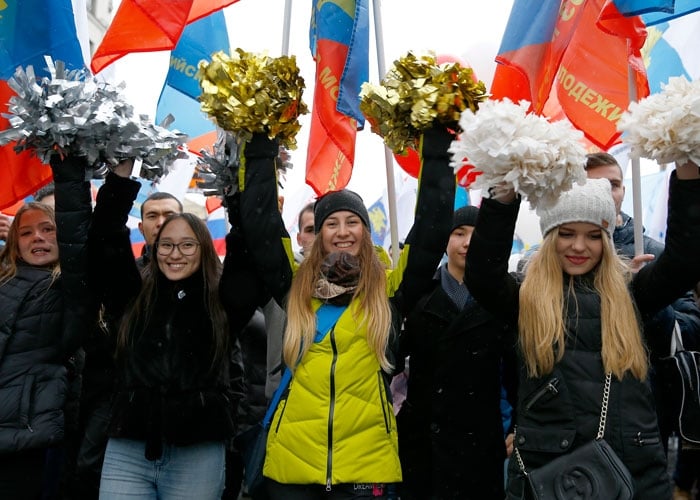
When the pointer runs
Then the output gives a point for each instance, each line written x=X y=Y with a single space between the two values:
x=286 y=26
x=388 y=157
x=636 y=174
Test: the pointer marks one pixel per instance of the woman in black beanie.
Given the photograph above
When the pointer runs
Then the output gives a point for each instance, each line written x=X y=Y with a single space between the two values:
x=334 y=434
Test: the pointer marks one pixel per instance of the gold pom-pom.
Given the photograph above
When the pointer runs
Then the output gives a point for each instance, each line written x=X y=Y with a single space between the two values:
x=247 y=93
x=414 y=94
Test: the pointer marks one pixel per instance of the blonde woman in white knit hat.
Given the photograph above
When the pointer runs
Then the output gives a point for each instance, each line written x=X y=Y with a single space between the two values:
x=579 y=311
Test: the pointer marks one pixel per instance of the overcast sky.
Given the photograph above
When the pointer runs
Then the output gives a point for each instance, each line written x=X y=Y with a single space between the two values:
x=469 y=30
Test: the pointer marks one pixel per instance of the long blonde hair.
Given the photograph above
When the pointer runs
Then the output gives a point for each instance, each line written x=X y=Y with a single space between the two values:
x=9 y=257
x=541 y=319
x=371 y=292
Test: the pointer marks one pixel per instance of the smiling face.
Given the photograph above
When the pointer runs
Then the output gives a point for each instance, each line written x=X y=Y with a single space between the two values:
x=36 y=240
x=177 y=237
x=579 y=247
x=342 y=231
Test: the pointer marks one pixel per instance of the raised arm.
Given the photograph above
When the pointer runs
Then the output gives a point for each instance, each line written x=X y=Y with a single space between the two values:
x=677 y=269
x=259 y=219
x=426 y=242
x=113 y=275
x=73 y=210
x=486 y=274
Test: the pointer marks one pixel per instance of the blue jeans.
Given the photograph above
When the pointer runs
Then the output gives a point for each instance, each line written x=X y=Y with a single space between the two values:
x=182 y=472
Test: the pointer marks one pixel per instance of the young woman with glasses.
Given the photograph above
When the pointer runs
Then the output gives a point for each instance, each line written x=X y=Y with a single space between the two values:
x=172 y=411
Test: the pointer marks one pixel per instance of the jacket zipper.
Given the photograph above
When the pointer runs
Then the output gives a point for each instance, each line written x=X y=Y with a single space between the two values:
x=550 y=387
x=331 y=411
x=642 y=441
x=384 y=402
x=283 y=403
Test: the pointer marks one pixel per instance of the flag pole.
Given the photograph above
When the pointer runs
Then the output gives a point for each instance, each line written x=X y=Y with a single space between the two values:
x=388 y=158
x=636 y=170
x=286 y=26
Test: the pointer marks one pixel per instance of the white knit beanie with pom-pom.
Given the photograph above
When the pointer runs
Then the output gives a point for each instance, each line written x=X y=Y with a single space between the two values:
x=591 y=202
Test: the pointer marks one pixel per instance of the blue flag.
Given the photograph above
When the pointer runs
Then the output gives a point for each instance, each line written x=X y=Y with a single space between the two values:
x=30 y=30
x=179 y=96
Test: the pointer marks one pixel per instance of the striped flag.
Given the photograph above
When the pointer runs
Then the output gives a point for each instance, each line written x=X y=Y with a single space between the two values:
x=339 y=38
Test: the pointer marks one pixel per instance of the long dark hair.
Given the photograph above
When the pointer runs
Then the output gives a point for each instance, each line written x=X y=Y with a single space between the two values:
x=140 y=310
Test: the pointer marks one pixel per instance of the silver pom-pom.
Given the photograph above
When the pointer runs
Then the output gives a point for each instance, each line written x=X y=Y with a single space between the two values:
x=666 y=126
x=72 y=113
x=509 y=146
x=217 y=173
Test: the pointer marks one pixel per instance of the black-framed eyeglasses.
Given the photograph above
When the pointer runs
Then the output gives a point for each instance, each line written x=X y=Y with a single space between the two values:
x=184 y=247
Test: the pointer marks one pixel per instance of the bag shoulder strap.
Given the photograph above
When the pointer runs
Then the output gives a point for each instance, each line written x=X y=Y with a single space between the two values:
x=326 y=318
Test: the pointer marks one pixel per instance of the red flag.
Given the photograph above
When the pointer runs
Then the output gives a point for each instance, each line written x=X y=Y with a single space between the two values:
x=593 y=84
x=149 y=25
x=580 y=69
x=339 y=43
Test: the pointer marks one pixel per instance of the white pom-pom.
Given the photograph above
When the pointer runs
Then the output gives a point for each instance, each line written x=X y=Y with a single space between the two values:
x=510 y=146
x=666 y=126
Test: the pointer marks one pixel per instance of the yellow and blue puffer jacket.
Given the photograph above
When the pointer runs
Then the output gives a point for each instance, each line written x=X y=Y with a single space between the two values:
x=338 y=410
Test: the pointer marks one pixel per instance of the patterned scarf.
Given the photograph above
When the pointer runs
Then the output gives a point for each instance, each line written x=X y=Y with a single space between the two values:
x=340 y=273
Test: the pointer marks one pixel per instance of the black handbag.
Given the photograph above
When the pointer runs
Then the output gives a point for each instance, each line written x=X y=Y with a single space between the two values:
x=591 y=471
x=681 y=375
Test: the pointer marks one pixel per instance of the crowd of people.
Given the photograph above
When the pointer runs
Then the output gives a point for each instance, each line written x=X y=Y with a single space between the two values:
x=124 y=377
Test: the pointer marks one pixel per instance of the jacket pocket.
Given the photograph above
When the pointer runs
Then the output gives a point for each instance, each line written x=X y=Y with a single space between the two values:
x=386 y=406
x=26 y=402
x=281 y=407
x=546 y=392
x=544 y=439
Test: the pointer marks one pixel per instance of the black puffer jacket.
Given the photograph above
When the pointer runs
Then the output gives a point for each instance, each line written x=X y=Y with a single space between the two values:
x=168 y=391
x=451 y=440
x=42 y=320
x=549 y=422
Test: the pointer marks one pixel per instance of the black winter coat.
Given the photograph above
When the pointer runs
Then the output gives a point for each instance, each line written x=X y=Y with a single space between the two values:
x=167 y=389
x=551 y=422
x=42 y=320
x=451 y=441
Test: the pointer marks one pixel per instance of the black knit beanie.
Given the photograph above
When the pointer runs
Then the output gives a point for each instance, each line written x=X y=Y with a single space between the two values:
x=465 y=216
x=339 y=200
